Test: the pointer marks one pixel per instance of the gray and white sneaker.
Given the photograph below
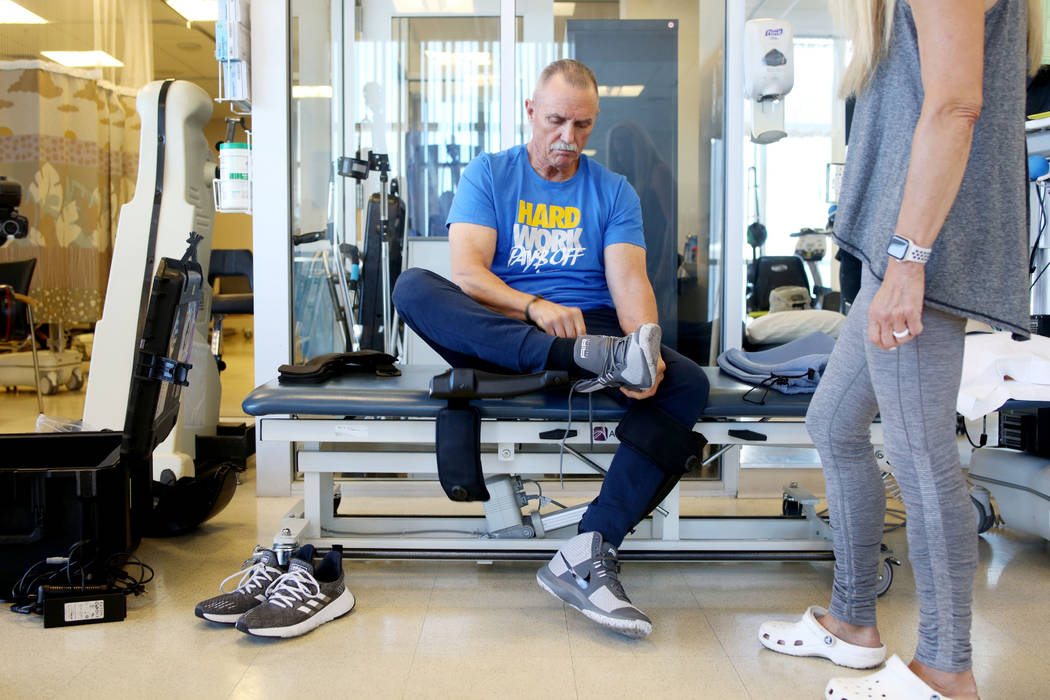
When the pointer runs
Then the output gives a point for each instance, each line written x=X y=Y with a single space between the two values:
x=584 y=575
x=301 y=600
x=256 y=575
x=629 y=361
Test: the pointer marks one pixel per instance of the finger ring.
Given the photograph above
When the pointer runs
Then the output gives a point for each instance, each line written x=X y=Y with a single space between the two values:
x=901 y=334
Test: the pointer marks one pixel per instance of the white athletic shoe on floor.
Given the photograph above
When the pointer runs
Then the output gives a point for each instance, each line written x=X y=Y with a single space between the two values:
x=583 y=574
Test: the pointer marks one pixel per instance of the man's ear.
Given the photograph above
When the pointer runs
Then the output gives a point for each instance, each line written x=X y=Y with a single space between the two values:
x=530 y=106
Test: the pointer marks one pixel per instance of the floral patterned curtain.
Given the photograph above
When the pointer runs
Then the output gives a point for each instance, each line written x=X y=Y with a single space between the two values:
x=72 y=141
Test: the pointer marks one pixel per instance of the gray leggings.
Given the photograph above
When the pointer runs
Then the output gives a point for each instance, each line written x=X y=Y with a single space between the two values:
x=914 y=388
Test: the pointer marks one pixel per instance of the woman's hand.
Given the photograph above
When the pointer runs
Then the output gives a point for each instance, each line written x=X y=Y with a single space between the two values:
x=895 y=316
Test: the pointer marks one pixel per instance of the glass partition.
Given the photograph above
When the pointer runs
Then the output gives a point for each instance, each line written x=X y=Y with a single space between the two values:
x=790 y=183
x=448 y=108
x=313 y=116
x=420 y=83
x=789 y=186
x=659 y=69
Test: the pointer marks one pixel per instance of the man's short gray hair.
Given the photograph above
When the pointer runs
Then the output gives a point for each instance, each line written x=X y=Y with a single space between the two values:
x=573 y=72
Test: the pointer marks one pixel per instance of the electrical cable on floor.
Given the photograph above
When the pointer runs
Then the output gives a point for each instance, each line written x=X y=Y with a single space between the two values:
x=71 y=573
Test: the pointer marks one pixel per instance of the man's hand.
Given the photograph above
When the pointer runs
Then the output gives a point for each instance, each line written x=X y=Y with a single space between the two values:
x=557 y=320
x=660 y=367
x=897 y=306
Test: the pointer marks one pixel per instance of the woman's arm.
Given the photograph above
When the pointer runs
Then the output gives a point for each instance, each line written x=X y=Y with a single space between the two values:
x=951 y=53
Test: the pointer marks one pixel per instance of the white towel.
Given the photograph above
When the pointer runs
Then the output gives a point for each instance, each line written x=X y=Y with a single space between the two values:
x=997 y=368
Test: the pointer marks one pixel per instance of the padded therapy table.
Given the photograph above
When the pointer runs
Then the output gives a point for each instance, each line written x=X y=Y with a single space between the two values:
x=384 y=426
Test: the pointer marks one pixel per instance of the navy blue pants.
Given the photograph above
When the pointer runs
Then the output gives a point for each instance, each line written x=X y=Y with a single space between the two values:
x=468 y=334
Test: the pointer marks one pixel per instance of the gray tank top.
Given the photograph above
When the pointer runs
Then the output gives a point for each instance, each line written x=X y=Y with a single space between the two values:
x=979 y=265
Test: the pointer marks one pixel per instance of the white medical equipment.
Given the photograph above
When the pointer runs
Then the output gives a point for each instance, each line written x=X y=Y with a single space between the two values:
x=1020 y=483
x=185 y=168
x=1019 y=478
x=769 y=75
x=173 y=197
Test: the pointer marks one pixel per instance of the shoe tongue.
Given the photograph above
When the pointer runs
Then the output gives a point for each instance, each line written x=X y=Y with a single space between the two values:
x=300 y=565
x=267 y=557
x=591 y=352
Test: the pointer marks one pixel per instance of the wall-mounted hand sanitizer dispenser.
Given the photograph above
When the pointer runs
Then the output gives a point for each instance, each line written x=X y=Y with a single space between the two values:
x=769 y=74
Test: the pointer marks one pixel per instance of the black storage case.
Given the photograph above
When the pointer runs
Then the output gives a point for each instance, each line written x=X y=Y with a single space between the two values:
x=60 y=489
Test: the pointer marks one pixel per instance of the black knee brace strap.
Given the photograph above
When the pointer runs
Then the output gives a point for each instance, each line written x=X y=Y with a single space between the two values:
x=458 y=447
x=654 y=433
x=457 y=437
x=324 y=367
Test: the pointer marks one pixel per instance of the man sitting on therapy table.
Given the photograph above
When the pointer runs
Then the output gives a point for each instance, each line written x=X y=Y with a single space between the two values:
x=548 y=272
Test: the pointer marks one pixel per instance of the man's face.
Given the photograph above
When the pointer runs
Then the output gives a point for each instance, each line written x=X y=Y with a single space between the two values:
x=562 y=118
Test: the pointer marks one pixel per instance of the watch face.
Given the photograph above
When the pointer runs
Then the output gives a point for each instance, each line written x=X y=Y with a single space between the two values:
x=898 y=247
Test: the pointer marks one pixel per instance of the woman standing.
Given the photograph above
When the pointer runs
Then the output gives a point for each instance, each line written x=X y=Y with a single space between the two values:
x=933 y=204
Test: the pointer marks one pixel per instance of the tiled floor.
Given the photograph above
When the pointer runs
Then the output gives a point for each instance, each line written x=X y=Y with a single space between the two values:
x=463 y=630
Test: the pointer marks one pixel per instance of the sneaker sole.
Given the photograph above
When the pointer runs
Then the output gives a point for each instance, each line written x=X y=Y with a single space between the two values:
x=227 y=619
x=651 y=359
x=336 y=609
x=635 y=629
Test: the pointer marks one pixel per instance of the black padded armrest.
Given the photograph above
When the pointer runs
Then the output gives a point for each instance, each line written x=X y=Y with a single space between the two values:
x=475 y=384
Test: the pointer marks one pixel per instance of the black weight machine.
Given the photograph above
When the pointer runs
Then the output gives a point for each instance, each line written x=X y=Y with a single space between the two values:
x=385 y=233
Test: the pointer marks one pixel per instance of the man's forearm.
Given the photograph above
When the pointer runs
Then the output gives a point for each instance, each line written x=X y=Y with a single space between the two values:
x=487 y=289
x=632 y=294
x=636 y=306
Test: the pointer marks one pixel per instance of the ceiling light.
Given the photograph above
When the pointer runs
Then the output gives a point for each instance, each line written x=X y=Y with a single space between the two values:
x=620 y=90
x=589 y=152
x=564 y=9
x=447 y=58
x=410 y=7
x=300 y=91
x=13 y=13
x=196 y=10
x=83 y=59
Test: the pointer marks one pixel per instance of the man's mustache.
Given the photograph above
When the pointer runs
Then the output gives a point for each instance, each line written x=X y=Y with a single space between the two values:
x=562 y=146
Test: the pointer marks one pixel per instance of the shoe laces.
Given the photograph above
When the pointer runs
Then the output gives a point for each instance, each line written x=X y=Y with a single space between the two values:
x=259 y=575
x=617 y=356
x=609 y=572
x=291 y=588
x=568 y=427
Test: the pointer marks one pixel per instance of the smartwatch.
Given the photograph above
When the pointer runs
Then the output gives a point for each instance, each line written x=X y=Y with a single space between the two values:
x=905 y=250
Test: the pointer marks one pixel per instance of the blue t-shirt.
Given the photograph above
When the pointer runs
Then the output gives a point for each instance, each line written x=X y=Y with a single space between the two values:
x=551 y=236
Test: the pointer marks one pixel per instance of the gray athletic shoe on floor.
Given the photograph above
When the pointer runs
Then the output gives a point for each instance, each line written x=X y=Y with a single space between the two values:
x=584 y=574
x=628 y=362
x=301 y=600
x=256 y=575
